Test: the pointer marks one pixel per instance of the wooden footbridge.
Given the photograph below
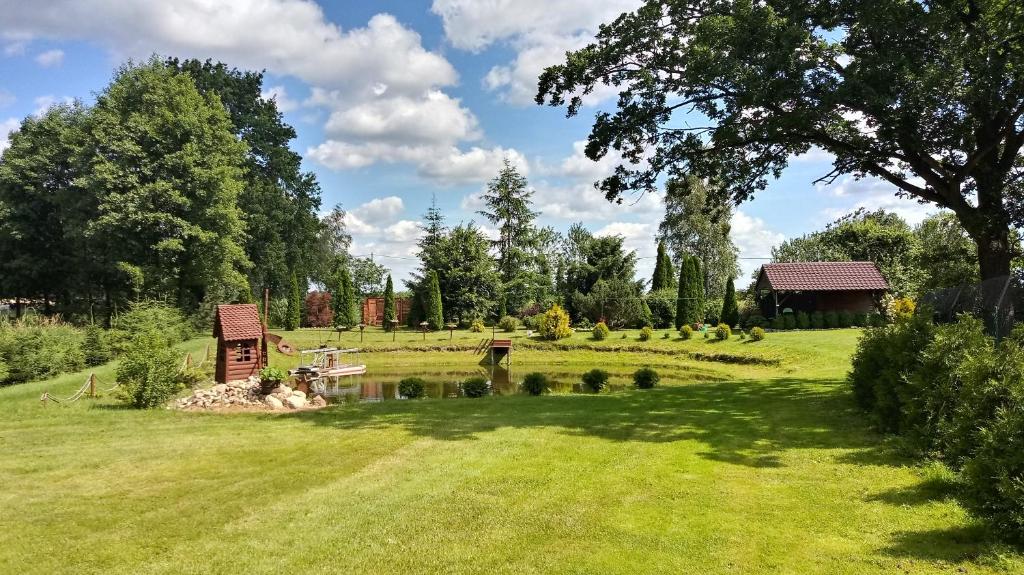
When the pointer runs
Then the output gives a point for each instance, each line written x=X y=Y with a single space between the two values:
x=496 y=351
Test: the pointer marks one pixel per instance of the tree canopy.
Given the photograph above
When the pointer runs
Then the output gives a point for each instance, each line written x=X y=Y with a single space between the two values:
x=927 y=96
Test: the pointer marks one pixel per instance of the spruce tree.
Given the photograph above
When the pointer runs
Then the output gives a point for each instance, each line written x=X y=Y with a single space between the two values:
x=730 y=309
x=294 y=316
x=390 y=313
x=508 y=200
x=432 y=305
x=683 y=299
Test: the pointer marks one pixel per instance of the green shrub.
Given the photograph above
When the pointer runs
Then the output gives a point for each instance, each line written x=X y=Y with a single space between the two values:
x=803 y=321
x=477 y=326
x=533 y=321
x=665 y=335
x=36 y=348
x=5 y=371
x=723 y=332
x=743 y=334
x=95 y=348
x=845 y=319
x=149 y=316
x=475 y=387
x=584 y=324
x=788 y=321
x=148 y=373
x=646 y=333
x=270 y=378
x=817 y=320
x=755 y=320
x=860 y=319
x=600 y=331
x=876 y=319
x=412 y=387
x=555 y=323
x=831 y=319
x=508 y=324
x=596 y=379
x=662 y=304
x=778 y=323
x=756 y=334
x=646 y=378
x=686 y=332
x=535 y=383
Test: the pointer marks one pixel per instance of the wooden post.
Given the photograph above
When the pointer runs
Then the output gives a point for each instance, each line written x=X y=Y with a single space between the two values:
x=92 y=385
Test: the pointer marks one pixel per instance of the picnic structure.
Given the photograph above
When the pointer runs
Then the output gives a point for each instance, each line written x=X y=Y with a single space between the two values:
x=856 y=287
x=318 y=367
x=373 y=310
x=241 y=342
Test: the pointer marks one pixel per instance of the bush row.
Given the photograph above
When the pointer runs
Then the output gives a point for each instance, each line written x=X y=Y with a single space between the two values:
x=954 y=395
x=816 y=320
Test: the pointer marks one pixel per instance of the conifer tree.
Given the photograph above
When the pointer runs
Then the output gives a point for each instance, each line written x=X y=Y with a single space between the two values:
x=432 y=305
x=683 y=299
x=390 y=313
x=294 y=316
x=697 y=293
x=730 y=309
x=659 y=280
x=343 y=300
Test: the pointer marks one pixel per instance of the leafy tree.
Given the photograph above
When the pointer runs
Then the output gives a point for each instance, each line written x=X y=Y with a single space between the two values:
x=662 y=304
x=880 y=237
x=166 y=170
x=367 y=277
x=469 y=283
x=390 y=313
x=507 y=201
x=946 y=256
x=279 y=201
x=343 y=300
x=927 y=96
x=432 y=302
x=588 y=259
x=294 y=315
x=730 y=309
x=662 y=269
x=697 y=222
x=616 y=301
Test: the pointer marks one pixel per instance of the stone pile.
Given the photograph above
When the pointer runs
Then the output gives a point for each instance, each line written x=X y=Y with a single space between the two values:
x=246 y=394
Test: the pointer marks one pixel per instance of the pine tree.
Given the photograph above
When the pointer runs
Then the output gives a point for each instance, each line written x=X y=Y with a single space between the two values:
x=508 y=203
x=670 y=273
x=730 y=309
x=697 y=291
x=291 y=321
x=390 y=313
x=432 y=305
x=659 y=280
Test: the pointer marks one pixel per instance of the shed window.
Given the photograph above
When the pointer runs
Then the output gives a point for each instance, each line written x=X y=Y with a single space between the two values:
x=243 y=353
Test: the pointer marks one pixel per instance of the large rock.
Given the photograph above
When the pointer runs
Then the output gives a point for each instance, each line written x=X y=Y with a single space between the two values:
x=282 y=390
x=298 y=393
x=318 y=401
x=273 y=402
x=295 y=401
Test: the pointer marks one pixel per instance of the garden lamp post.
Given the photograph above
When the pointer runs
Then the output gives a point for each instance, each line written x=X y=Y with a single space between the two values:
x=362 y=326
x=423 y=327
x=394 y=328
x=451 y=330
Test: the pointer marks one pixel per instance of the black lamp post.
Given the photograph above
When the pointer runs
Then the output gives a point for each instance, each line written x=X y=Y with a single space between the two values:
x=394 y=328
x=451 y=330
x=423 y=326
x=362 y=326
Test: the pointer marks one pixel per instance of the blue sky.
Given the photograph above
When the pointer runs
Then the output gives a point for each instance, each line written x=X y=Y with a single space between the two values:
x=396 y=102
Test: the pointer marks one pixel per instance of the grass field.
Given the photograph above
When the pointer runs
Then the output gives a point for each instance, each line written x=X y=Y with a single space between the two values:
x=762 y=467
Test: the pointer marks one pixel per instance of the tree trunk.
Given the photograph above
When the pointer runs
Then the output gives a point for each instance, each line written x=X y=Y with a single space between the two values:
x=994 y=253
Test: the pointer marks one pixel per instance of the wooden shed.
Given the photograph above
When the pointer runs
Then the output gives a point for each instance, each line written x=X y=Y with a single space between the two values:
x=820 y=286
x=373 y=310
x=241 y=342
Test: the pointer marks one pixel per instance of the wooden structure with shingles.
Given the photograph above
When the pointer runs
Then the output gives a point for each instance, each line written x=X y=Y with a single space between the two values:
x=241 y=342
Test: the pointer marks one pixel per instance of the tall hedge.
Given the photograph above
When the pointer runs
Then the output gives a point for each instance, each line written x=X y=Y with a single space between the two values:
x=697 y=290
x=432 y=302
x=294 y=316
x=683 y=294
x=690 y=302
x=390 y=313
x=343 y=300
x=730 y=309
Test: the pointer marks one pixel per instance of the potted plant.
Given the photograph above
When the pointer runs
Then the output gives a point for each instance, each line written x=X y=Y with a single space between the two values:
x=270 y=379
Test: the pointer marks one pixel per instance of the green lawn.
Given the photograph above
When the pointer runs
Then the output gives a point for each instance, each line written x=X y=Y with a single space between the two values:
x=725 y=468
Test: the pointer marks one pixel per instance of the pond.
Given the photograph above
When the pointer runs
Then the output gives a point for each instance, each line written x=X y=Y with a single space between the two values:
x=383 y=386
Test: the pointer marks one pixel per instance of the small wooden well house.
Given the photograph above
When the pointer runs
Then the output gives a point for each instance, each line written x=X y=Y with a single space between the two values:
x=241 y=342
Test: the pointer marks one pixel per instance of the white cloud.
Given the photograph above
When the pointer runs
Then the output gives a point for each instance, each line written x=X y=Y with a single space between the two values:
x=432 y=118
x=815 y=154
x=280 y=95
x=43 y=103
x=753 y=239
x=50 y=58
x=873 y=193
x=539 y=31
x=6 y=127
x=383 y=210
x=6 y=98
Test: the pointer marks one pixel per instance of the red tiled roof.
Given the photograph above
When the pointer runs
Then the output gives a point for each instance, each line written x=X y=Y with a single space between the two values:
x=236 y=322
x=821 y=276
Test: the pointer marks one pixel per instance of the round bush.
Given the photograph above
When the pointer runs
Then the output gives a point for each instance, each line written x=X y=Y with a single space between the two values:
x=596 y=379
x=686 y=332
x=411 y=387
x=508 y=324
x=584 y=324
x=600 y=331
x=756 y=333
x=645 y=378
x=535 y=383
x=723 y=332
x=475 y=387
x=477 y=326
x=646 y=333
x=756 y=320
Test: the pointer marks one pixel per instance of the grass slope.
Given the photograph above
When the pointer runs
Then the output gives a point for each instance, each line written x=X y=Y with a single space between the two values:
x=724 y=469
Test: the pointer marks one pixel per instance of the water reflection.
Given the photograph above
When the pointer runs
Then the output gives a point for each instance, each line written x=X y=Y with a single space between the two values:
x=384 y=386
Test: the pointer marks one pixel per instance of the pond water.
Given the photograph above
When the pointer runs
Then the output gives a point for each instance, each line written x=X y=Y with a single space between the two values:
x=384 y=386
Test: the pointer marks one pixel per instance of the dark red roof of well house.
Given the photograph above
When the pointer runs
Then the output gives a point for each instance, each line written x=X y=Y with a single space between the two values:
x=821 y=276
x=236 y=322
